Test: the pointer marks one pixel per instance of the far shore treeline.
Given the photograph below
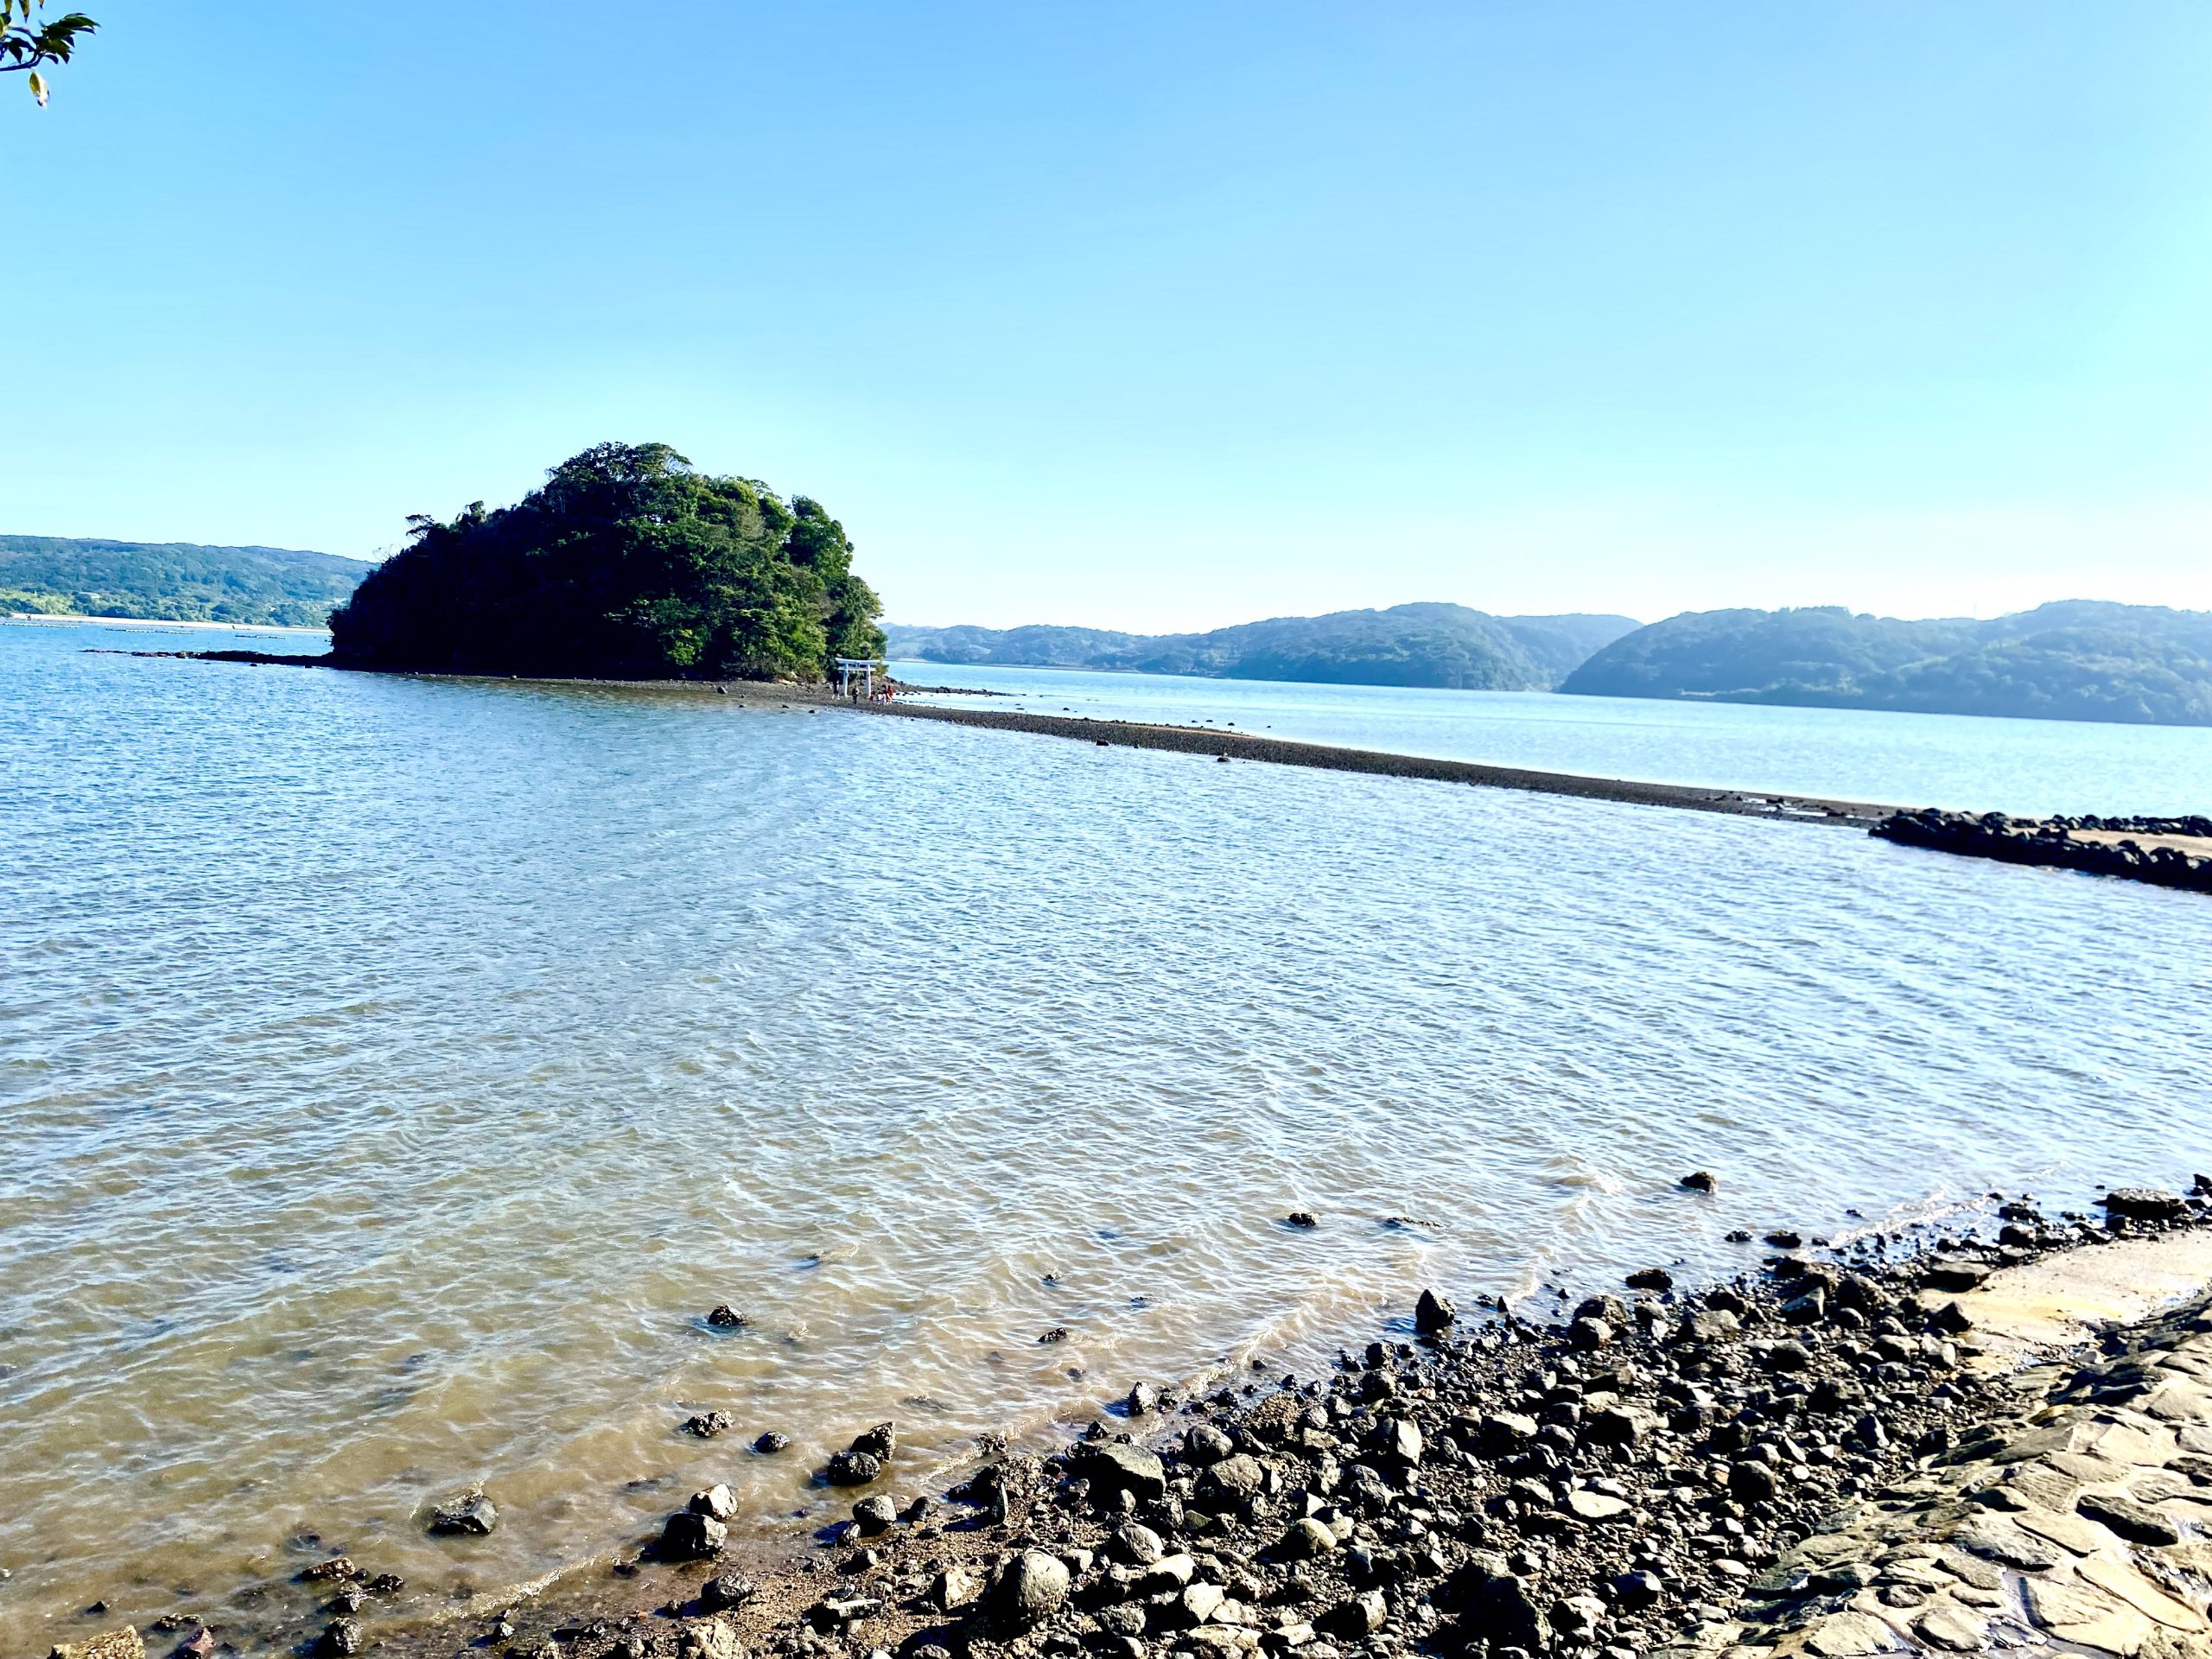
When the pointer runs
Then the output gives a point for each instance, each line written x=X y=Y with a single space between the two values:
x=627 y=564
x=631 y=564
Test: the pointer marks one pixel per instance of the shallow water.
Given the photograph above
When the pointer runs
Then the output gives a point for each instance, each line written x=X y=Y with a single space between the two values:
x=394 y=1071
x=2029 y=766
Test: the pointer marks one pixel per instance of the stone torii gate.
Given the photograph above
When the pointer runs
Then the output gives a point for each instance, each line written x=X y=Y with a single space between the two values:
x=863 y=666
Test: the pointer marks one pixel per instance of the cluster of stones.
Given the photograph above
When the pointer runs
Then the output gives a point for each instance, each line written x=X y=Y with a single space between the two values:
x=2053 y=842
x=1800 y=1460
x=1660 y=1472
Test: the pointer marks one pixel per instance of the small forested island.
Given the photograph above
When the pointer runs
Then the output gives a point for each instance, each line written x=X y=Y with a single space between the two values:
x=1419 y=645
x=172 y=581
x=2075 y=659
x=627 y=564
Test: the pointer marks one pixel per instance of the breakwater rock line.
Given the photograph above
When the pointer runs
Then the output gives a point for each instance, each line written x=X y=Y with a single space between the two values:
x=1840 y=1455
x=1242 y=746
x=2165 y=852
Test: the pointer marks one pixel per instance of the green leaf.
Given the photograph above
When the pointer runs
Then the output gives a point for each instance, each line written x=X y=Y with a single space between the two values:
x=38 y=88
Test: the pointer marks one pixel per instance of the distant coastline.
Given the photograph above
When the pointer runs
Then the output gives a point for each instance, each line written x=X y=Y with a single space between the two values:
x=57 y=618
x=2084 y=660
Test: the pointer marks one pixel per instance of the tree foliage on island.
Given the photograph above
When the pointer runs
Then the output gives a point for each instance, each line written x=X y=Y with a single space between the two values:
x=626 y=564
x=27 y=48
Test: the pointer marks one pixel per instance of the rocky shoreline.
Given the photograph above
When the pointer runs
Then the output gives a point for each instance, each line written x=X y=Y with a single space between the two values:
x=1867 y=1449
x=2165 y=852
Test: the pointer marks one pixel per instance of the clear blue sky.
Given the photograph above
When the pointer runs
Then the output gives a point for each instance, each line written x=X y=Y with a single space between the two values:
x=1154 y=316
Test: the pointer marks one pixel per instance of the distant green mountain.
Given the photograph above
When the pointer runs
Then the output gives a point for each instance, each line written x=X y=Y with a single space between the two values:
x=2075 y=659
x=175 y=581
x=1422 y=644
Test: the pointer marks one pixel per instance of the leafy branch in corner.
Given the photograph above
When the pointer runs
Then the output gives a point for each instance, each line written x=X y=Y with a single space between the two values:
x=25 y=46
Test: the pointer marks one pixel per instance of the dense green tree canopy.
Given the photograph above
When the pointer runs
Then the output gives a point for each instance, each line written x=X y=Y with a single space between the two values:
x=627 y=564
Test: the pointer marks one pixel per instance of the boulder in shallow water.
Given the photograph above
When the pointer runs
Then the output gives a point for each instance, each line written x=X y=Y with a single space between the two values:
x=878 y=1442
x=1700 y=1181
x=2143 y=1203
x=471 y=1515
x=853 y=1468
x=716 y=1502
x=689 y=1536
x=1434 y=1312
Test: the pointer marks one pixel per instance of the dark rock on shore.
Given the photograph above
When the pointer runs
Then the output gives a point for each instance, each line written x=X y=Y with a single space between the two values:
x=1434 y=1312
x=1119 y=1466
x=723 y=1591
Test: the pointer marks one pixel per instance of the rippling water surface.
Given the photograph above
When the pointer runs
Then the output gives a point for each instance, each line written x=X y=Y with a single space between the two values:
x=394 y=1071
x=1955 y=761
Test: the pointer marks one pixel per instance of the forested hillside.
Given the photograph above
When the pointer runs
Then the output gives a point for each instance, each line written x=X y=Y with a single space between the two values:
x=2075 y=659
x=1419 y=645
x=179 y=582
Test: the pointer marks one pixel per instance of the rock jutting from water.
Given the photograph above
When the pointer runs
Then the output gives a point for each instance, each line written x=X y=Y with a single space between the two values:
x=1837 y=1455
